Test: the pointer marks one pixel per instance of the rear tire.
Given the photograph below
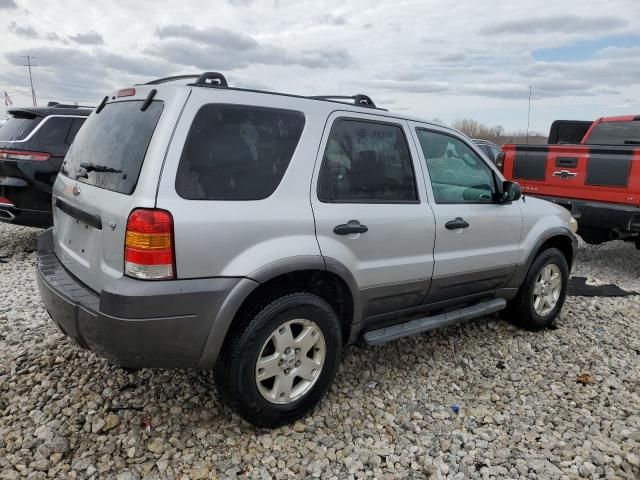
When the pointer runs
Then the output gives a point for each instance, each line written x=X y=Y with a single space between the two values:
x=266 y=386
x=543 y=292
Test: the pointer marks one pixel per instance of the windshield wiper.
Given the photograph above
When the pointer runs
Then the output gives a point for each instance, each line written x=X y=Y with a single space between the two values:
x=91 y=167
x=632 y=142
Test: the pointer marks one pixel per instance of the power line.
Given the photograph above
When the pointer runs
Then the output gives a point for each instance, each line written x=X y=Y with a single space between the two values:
x=29 y=65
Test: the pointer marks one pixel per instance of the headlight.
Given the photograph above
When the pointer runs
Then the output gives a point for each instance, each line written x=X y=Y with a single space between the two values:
x=573 y=225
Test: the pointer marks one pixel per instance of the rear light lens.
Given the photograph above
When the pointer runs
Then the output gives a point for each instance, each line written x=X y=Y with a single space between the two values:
x=500 y=161
x=23 y=155
x=126 y=92
x=148 y=251
x=5 y=202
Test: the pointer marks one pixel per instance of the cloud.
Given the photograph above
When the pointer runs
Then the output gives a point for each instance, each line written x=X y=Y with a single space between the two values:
x=88 y=38
x=8 y=4
x=555 y=24
x=24 y=31
x=331 y=19
x=218 y=36
x=190 y=46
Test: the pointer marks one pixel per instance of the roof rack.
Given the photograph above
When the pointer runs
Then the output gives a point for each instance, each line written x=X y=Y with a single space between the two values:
x=157 y=81
x=359 y=99
x=218 y=80
x=213 y=79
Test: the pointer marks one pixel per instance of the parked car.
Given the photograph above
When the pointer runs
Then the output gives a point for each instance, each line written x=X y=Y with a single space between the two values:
x=490 y=149
x=597 y=180
x=202 y=225
x=33 y=143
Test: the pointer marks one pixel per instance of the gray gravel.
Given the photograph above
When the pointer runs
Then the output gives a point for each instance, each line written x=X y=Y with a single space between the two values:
x=65 y=413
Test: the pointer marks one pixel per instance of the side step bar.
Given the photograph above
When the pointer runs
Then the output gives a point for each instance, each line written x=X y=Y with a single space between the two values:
x=424 y=324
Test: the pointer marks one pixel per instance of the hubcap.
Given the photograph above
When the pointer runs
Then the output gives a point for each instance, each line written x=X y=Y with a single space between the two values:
x=290 y=361
x=546 y=290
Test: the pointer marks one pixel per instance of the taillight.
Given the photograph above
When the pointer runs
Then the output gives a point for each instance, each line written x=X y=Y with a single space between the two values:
x=23 y=155
x=500 y=161
x=148 y=251
x=126 y=92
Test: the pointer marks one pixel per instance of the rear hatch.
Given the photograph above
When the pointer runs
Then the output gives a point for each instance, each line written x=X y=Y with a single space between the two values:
x=112 y=168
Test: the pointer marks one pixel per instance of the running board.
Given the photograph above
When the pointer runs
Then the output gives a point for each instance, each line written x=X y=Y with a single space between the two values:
x=424 y=324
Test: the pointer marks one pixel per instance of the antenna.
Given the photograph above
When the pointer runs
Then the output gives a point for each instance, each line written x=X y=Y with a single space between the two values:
x=529 y=114
x=29 y=65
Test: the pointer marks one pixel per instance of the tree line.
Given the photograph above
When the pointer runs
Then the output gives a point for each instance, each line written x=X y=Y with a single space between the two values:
x=496 y=134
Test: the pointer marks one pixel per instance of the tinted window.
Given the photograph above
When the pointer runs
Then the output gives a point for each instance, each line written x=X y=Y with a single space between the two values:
x=366 y=162
x=18 y=127
x=237 y=152
x=73 y=131
x=54 y=131
x=615 y=133
x=458 y=174
x=109 y=150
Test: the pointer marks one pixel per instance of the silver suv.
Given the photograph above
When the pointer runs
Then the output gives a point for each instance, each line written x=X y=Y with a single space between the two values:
x=199 y=225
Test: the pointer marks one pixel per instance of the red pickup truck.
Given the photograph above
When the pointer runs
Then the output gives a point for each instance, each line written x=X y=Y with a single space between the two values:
x=598 y=179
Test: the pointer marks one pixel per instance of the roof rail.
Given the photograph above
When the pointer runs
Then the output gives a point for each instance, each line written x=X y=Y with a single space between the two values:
x=214 y=79
x=359 y=99
x=157 y=81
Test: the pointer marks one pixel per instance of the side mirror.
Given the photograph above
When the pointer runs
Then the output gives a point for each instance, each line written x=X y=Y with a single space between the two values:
x=511 y=192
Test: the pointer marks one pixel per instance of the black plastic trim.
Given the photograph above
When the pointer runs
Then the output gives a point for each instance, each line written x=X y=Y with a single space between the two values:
x=90 y=219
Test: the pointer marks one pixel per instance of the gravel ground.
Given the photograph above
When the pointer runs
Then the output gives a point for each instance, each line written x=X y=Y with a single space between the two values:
x=66 y=413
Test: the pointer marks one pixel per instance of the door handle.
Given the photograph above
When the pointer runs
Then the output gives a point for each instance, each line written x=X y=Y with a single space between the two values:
x=564 y=174
x=352 y=226
x=455 y=224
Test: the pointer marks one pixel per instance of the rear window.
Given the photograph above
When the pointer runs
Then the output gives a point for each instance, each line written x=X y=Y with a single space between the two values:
x=109 y=149
x=237 y=152
x=17 y=127
x=54 y=131
x=615 y=133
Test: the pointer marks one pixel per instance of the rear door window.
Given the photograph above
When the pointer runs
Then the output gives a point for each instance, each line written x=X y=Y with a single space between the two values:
x=54 y=131
x=615 y=133
x=73 y=131
x=366 y=162
x=237 y=152
x=109 y=150
x=18 y=127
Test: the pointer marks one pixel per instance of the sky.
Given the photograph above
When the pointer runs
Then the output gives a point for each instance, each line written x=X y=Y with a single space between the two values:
x=432 y=59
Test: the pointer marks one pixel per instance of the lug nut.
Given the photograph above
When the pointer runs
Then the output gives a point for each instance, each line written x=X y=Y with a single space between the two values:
x=298 y=363
x=287 y=351
x=287 y=371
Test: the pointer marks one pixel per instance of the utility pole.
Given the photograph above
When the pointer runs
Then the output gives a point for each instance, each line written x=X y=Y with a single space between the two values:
x=529 y=115
x=29 y=65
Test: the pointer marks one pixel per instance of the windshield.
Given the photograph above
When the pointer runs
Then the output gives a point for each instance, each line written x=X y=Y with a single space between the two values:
x=615 y=133
x=109 y=149
x=18 y=127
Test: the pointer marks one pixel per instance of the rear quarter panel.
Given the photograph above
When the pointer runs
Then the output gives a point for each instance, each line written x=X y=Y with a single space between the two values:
x=237 y=238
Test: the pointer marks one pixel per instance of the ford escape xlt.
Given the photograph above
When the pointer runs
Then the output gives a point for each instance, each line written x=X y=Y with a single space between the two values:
x=199 y=225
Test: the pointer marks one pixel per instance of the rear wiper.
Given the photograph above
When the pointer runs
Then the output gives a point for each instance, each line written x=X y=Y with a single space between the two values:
x=91 y=167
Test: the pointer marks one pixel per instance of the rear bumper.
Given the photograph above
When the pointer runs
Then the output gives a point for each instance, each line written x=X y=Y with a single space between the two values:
x=600 y=215
x=131 y=322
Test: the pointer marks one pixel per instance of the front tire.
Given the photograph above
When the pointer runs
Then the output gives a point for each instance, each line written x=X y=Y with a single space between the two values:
x=543 y=292
x=281 y=359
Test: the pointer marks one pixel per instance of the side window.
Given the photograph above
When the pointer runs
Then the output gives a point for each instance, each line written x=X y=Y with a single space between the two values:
x=366 y=162
x=458 y=174
x=75 y=126
x=237 y=152
x=54 y=131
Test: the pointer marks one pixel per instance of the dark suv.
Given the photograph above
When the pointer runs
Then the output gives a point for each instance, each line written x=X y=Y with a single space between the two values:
x=33 y=143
